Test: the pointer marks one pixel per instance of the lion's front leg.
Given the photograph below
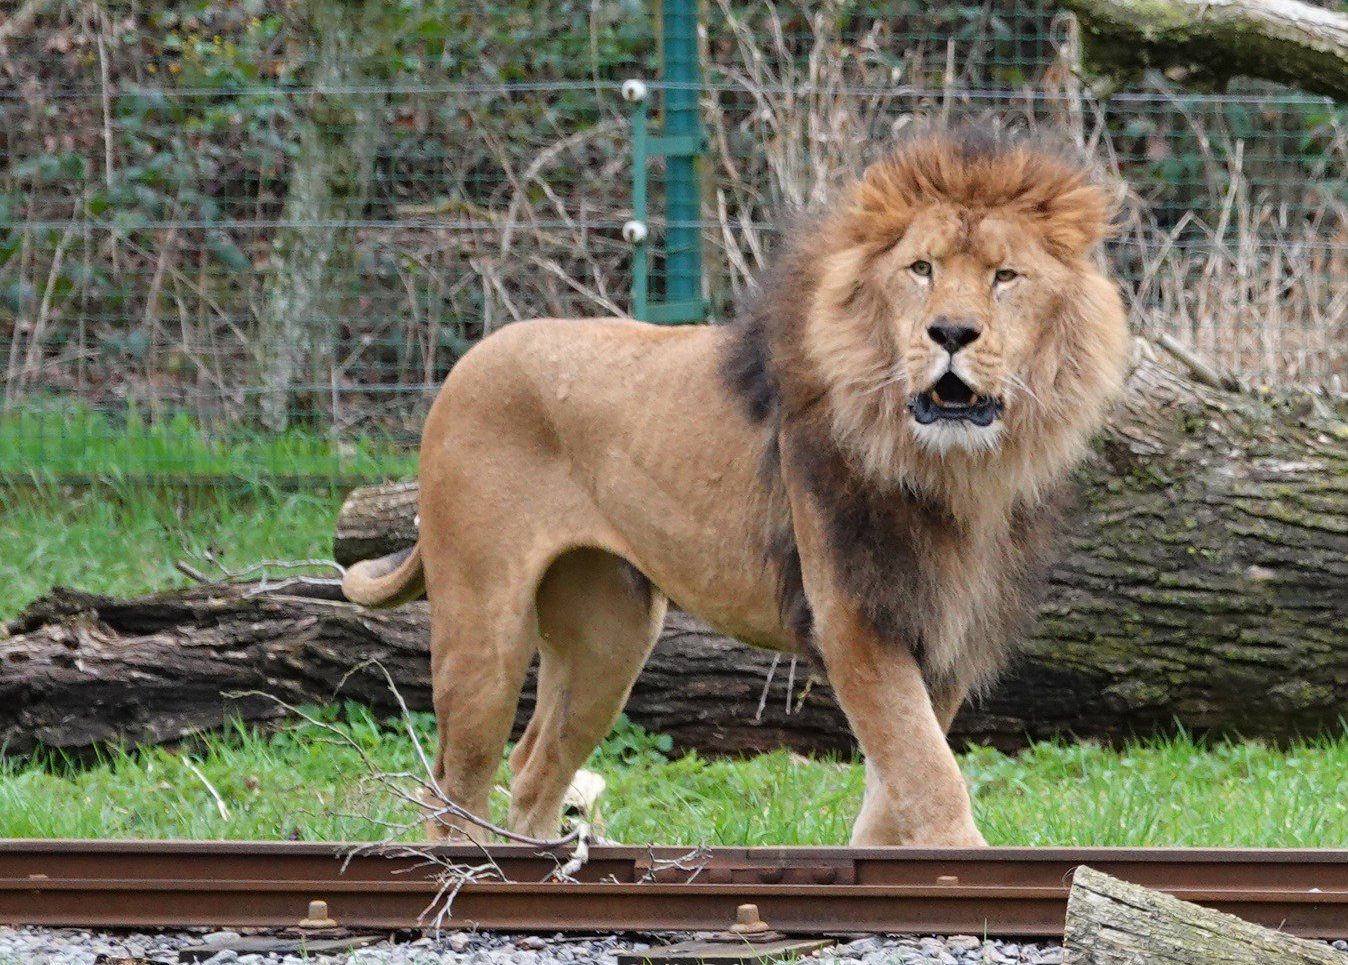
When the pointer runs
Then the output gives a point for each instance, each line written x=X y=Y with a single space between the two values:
x=915 y=794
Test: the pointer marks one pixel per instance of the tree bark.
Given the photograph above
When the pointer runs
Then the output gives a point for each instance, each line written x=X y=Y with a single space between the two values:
x=78 y=670
x=1282 y=40
x=375 y=521
x=313 y=253
x=1113 y=922
x=1202 y=586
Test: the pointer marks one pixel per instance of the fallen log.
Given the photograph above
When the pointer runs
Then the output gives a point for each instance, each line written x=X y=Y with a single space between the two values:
x=78 y=670
x=1211 y=41
x=1202 y=583
x=1202 y=586
x=1113 y=922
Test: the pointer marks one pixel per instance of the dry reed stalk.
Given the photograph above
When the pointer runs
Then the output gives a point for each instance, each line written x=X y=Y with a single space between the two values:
x=1239 y=288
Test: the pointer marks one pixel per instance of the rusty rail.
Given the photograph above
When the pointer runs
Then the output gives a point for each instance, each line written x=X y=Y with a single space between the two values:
x=998 y=891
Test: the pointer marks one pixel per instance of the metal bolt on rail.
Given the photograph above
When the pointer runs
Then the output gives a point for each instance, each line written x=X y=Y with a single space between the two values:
x=748 y=922
x=318 y=916
x=748 y=941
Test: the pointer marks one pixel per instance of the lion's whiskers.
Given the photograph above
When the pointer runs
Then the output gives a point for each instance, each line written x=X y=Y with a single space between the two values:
x=897 y=378
x=1017 y=383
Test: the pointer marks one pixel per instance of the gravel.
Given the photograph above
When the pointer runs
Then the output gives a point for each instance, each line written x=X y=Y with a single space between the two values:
x=68 y=946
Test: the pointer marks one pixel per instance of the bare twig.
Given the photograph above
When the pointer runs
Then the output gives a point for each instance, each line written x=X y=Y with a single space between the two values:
x=219 y=801
x=578 y=857
x=256 y=577
x=1201 y=370
x=434 y=807
x=693 y=863
x=191 y=572
x=767 y=683
x=33 y=357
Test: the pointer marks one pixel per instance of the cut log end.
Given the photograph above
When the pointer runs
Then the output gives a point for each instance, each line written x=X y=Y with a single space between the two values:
x=1290 y=41
x=1113 y=922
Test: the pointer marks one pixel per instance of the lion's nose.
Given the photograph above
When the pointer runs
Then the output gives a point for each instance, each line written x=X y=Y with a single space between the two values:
x=953 y=334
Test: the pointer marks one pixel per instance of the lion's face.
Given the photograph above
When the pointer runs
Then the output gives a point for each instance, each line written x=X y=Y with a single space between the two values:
x=971 y=300
x=957 y=323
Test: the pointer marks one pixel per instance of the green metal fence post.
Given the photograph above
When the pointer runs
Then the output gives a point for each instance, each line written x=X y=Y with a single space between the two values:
x=680 y=142
x=682 y=75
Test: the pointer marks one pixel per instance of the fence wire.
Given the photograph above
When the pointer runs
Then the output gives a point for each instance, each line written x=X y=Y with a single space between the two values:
x=247 y=253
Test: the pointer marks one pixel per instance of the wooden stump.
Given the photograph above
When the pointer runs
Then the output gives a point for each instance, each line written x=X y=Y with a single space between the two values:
x=1113 y=922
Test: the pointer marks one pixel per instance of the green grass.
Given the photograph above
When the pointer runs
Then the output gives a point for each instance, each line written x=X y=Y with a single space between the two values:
x=297 y=784
x=62 y=442
x=123 y=538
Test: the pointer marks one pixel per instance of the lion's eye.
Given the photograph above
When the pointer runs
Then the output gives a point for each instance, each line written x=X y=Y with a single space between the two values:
x=921 y=269
x=1005 y=275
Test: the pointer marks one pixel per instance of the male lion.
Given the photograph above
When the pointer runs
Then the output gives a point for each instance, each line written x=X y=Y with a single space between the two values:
x=861 y=470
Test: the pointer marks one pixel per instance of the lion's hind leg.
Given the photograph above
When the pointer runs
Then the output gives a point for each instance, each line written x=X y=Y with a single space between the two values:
x=481 y=648
x=598 y=619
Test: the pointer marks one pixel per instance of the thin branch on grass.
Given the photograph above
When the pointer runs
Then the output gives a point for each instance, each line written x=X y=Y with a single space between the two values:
x=434 y=807
x=452 y=875
x=257 y=574
x=219 y=801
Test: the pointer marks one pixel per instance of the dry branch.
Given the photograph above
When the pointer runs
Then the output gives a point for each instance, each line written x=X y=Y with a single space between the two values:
x=1295 y=43
x=1112 y=922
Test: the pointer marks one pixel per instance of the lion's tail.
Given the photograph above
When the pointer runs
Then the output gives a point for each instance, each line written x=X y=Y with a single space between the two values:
x=388 y=581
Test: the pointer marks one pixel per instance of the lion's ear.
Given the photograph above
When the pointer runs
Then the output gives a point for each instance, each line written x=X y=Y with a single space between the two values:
x=1077 y=218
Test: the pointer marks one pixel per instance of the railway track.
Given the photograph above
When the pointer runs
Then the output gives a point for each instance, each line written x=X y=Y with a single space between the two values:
x=998 y=891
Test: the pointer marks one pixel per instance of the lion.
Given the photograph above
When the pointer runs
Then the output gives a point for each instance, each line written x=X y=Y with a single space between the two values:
x=863 y=468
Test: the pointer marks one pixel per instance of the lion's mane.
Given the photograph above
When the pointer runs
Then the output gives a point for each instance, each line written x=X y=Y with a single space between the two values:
x=941 y=551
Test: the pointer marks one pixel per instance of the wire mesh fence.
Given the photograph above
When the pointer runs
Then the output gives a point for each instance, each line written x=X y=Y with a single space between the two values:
x=229 y=247
x=1232 y=237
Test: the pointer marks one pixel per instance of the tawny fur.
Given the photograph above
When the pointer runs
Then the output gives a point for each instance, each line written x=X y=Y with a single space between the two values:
x=770 y=478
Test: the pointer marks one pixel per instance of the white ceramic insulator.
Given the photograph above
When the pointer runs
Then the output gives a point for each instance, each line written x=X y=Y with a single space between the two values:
x=634 y=91
x=635 y=232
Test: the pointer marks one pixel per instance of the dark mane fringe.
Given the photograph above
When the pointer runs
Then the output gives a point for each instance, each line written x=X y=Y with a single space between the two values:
x=775 y=309
x=749 y=368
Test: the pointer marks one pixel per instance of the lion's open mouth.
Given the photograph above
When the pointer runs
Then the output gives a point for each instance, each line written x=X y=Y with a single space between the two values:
x=951 y=398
